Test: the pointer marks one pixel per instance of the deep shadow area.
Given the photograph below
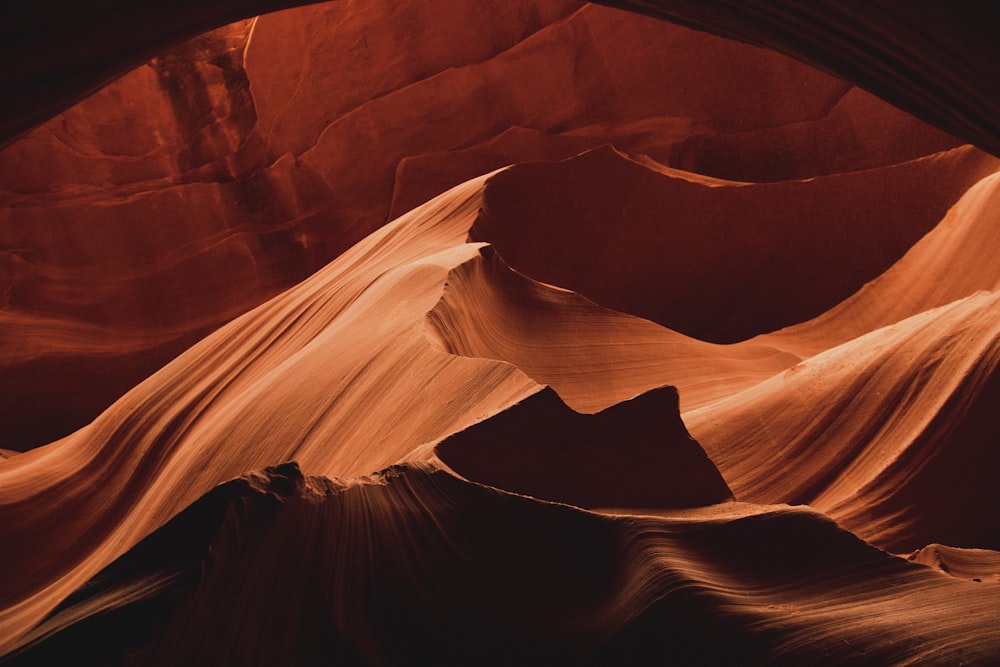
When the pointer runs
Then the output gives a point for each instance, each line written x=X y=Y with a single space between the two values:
x=634 y=454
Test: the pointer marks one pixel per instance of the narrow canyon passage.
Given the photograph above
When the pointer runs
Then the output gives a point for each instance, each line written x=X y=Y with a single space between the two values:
x=531 y=332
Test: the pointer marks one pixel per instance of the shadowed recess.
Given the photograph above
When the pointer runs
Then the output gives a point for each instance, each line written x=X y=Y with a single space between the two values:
x=634 y=454
x=716 y=260
x=413 y=566
x=934 y=60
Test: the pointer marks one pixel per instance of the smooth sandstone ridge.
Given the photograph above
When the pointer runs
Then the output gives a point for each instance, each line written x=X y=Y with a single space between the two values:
x=263 y=150
x=538 y=582
x=521 y=333
x=360 y=367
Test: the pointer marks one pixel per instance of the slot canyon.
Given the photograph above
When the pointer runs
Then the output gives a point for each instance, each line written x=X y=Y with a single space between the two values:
x=500 y=332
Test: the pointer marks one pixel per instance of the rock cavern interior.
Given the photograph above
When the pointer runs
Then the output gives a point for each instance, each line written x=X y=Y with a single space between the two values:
x=500 y=332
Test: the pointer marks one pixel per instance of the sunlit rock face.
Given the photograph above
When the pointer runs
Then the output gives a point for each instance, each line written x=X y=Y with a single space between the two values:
x=521 y=332
x=260 y=151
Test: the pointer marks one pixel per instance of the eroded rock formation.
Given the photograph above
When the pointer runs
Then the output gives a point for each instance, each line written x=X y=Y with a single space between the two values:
x=255 y=170
x=366 y=333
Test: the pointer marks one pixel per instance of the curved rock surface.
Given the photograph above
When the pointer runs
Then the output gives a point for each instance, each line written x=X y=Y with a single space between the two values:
x=886 y=433
x=302 y=377
x=592 y=356
x=975 y=564
x=231 y=168
x=352 y=371
x=933 y=62
x=716 y=260
x=350 y=388
x=493 y=578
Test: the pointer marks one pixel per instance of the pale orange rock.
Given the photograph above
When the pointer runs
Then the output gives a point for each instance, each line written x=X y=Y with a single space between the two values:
x=677 y=383
x=238 y=164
